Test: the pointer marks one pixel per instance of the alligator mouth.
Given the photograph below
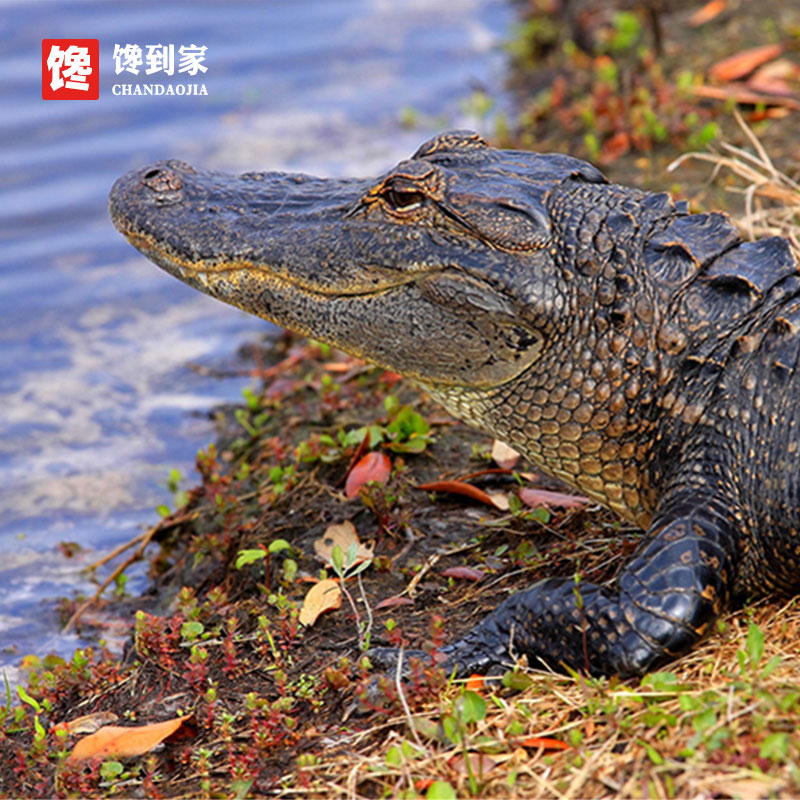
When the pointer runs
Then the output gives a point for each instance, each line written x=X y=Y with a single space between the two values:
x=206 y=274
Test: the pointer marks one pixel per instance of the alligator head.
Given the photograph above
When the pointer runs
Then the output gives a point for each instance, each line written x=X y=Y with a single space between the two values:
x=502 y=281
x=420 y=271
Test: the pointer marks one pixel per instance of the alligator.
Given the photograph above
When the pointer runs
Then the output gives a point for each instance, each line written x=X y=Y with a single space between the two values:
x=645 y=355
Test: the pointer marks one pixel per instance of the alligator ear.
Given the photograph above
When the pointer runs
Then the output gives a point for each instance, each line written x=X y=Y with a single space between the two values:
x=451 y=141
x=504 y=223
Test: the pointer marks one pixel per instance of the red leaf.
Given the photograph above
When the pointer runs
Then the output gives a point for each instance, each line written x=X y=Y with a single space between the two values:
x=616 y=146
x=707 y=13
x=743 y=63
x=373 y=467
x=459 y=487
x=542 y=497
x=393 y=602
x=475 y=683
x=463 y=573
x=545 y=743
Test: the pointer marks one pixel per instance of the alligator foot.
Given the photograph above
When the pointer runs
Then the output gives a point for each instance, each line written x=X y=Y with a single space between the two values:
x=671 y=591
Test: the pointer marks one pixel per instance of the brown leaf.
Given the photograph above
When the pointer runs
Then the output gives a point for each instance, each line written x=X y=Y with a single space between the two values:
x=372 y=467
x=543 y=497
x=463 y=573
x=775 y=77
x=746 y=788
x=338 y=366
x=707 y=12
x=344 y=534
x=479 y=763
x=464 y=489
x=88 y=723
x=743 y=63
x=504 y=456
x=742 y=93
x=113 y=740
x=323 y=596
x=394 y=602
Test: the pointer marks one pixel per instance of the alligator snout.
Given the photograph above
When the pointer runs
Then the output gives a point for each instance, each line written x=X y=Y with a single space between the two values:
x=154 y=186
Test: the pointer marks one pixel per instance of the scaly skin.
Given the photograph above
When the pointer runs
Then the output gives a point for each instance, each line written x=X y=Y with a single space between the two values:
x=646 y=356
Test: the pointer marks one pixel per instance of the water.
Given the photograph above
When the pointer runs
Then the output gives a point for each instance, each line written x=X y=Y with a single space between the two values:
x=98 y=397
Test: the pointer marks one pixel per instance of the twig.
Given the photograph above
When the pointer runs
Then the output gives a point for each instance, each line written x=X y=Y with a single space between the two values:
x=143 y=539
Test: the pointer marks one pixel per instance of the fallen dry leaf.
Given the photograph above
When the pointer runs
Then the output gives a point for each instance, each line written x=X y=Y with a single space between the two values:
x=466 y=490
x=479 y=763
x=707 y=12
x=113 y=740
x=463 y=573
x=338 y=366
x=393 y=602
x=544 y=742
x=742 y=93
x=745 y=788
x=777 y=77
x=743 y=63
x=87 y=724
x=323 y=596
x=504 y=456
x=475 y=683
x=543 y=497
x=344 y=534
x=372 y=467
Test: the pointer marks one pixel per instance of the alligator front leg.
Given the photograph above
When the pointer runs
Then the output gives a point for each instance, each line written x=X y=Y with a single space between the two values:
x=666 y=599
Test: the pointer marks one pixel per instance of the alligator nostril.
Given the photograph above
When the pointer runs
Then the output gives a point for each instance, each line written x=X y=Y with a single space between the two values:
x=161 y=179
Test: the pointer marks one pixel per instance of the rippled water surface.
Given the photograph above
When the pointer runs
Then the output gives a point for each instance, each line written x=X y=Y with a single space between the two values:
x=98 y=397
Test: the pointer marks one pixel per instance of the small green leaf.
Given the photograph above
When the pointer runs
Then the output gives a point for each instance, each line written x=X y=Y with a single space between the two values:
x=245 y=557
x=191 y=630
x=471 y=707
x=517 y=681
x=652 y=753
x=661 y=682
x=241 y=788
x=290 y=568
x=109 y=770
x=394 y=757
x=26 y=698
x=704 y=720
x=337 y=559
x=440 y=790
x=352 y=554
x=754 y=644
x=775 y=746
x=277 y=545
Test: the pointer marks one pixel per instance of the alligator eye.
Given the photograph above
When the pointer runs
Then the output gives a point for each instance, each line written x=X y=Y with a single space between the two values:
x=404 y=200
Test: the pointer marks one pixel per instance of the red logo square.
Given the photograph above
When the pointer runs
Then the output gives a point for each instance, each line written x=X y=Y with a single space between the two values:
x=70 y=69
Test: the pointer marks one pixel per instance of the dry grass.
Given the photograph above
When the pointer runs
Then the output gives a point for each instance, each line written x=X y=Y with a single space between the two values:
x=771 y=198
x=721 y=723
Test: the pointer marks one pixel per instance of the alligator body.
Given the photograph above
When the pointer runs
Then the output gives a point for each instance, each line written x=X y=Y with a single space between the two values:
x=642 y=354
